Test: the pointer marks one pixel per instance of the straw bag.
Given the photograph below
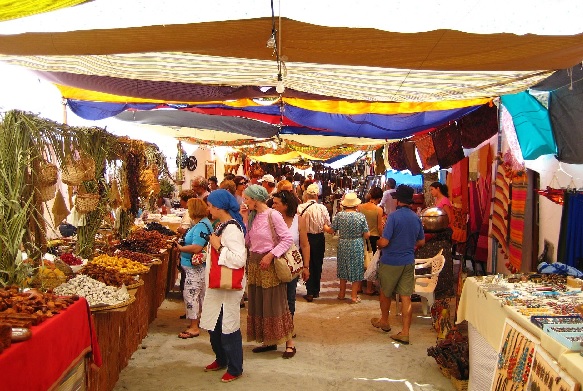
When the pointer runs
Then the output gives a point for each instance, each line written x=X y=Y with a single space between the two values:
x=289 y=266
x=47 y=174
x=86 y=203
x=47 y=193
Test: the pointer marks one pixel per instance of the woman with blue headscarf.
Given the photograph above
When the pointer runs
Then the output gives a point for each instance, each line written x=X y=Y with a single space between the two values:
x=220 y=311
x=268 y=319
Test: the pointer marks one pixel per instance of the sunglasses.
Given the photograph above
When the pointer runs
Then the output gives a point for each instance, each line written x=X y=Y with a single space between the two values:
x=241 y=183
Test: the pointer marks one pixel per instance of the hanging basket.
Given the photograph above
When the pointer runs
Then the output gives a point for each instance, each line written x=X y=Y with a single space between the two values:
x=77 y=171
x=47 y=174
x=86 y=203
x=47 y=193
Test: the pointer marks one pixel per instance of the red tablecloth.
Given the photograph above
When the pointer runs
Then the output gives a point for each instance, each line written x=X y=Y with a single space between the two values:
x=56 y=345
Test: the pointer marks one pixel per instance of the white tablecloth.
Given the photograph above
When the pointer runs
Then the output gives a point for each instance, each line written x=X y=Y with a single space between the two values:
x=487 y=315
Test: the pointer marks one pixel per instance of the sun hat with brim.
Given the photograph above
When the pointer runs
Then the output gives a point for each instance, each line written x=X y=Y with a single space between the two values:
x=313 y=189
x=267 y=178
x=350 y=200
x=404 y=194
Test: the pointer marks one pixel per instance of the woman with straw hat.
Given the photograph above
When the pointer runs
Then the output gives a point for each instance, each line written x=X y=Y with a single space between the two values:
x=352 y=229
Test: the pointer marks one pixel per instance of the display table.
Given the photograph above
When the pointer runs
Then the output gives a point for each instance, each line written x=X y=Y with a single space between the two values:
x=486 y=314
x=58 y=345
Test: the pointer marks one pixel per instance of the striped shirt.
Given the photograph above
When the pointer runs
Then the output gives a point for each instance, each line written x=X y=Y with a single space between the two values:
x=316 y=216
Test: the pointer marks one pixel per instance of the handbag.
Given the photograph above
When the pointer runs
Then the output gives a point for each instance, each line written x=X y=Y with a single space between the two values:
x=222 y=277
x=367 y=253
x=200 y=258
x=289 y=266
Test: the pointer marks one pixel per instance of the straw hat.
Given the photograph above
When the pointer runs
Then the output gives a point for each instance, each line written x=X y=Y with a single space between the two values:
x=313 y=189
x=350 y=200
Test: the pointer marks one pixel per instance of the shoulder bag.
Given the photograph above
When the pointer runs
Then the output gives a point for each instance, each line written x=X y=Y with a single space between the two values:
x=290 y=264
x=222 y=277
x=200 y=258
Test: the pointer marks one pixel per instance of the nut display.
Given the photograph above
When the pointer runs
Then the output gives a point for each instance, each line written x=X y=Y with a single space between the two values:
x=142 y=258
x=142 y=241
x=107 y=275
x=122 y=265
x=95 y=292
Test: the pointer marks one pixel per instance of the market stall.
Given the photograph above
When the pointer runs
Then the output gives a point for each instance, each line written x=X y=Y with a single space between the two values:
x=487 y=304
x=57 y=347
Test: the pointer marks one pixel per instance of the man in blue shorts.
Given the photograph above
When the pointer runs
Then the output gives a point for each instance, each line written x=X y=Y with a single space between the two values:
x=402 y=234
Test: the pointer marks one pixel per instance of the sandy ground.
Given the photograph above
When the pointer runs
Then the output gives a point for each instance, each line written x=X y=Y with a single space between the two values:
x=337 y=349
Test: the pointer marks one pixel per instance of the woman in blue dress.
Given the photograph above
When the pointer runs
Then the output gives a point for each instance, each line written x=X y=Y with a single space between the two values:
x=352 y=229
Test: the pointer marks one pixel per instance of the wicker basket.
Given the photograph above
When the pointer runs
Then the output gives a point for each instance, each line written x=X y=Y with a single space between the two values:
x=47 y=193
x=47 y=174
x=86 y=203
x=77 y=171
x=460 y=385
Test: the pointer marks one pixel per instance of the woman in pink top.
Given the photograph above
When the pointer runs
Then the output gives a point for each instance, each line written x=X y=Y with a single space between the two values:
x=439 y=191
x=268 y=318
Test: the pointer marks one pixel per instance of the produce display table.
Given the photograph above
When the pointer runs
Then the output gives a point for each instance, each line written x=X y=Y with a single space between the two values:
x=57 y=346
x=485 y=313
x=120 y=331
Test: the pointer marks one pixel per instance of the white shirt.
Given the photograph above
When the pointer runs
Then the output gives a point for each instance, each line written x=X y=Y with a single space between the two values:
x=316 y=216
x=388 y=203
x=233 y=255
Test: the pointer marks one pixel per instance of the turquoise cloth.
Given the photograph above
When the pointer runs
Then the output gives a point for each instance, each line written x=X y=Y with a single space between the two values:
x=532 y=124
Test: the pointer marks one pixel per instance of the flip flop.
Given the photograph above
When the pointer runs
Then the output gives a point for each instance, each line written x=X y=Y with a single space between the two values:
x=188 y=334
x=355 y=301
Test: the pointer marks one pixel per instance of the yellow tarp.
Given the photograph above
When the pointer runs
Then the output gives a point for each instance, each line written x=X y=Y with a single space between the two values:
x=348 y=108
x=10 y=9
x=96 y=96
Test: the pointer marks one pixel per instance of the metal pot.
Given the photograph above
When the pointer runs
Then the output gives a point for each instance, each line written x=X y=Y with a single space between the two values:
x=434 y=219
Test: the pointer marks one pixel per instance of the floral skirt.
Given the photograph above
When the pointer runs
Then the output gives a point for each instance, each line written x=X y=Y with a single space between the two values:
x=268 y=317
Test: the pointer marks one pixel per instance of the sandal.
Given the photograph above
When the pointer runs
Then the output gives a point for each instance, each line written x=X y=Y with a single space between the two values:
x=264 y=348
x=355 y=301
x=187 y=334
x=287 y=354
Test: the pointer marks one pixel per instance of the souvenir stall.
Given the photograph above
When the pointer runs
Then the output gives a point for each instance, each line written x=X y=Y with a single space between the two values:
x=68 y=304
x=544 y=310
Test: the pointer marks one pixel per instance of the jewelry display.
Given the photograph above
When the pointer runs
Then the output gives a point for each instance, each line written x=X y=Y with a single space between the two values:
x=547 y=375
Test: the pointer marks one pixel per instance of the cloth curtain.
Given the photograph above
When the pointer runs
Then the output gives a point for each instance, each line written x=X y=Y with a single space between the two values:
x=448 y=146
x=500 y=212
x=532 y=124
x=519 y=192
x=571 y=235
x=478 y=126
x=567 y=120
x=411 y=157
x=396 y=156
x=426 y=150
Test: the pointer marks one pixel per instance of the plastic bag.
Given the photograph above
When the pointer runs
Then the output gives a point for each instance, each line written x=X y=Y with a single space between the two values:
x=371 y=272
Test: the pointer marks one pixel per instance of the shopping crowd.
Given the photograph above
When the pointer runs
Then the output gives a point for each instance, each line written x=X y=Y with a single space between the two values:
x=245 y=225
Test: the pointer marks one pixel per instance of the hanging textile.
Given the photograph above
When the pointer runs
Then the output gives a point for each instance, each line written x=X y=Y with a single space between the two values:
x=411 y=157
x=484 y=193
x=485 y=161
x=532 y=124
x=500 y=212
x=510 y=134
x=475 y=212
x=571 y=235
x=458 y=194
x=426 y=150
x=478 y=126
x=567 y=120
x=379 y=166
x=396 y=156
x=448 y=146
x=519 y=192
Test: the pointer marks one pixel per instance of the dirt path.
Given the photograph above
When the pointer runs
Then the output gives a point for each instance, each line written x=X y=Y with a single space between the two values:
x=337 y=349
